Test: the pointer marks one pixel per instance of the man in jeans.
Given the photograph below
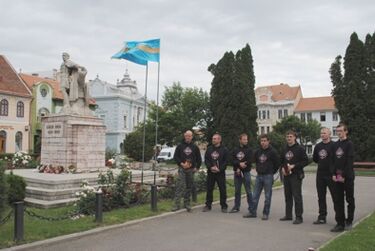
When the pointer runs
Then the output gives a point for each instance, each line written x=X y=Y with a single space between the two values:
x=267 y=163
x=241 y=160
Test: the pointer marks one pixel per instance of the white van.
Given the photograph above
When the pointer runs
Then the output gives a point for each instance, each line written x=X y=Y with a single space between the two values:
x=166 y=154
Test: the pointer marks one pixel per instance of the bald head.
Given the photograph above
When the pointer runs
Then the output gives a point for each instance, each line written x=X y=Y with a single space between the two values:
x=188 y=136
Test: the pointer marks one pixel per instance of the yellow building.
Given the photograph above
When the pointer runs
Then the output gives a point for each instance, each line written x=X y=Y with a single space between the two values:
x=15 y=99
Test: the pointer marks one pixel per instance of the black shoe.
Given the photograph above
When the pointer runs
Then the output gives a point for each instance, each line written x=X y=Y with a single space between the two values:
x=249 y=215
x=224 y=210
x=286 y=218
x=320 y=221
x=206 y=209
x=348 y=225
x=338 y=228
x=265 y=217
x=297 y=221
x=234 y=210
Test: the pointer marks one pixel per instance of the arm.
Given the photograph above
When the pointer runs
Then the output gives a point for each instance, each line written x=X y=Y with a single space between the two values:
x=349 y=161
x=224 y=160
x=275 y=161
x=235 y=161
x=303 y=161
x=316 y=155
x=207 y=160
x=177 y=156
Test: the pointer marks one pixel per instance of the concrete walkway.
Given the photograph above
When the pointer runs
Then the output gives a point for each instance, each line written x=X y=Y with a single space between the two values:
x=217 y=231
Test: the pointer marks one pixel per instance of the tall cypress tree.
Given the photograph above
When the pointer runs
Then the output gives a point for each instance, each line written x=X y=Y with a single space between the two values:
x=232 y=96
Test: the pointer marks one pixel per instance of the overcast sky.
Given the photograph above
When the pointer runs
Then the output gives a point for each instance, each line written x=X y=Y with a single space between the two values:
x=292 y=42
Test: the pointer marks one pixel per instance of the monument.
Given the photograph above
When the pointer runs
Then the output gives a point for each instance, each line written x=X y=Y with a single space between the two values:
x=74 y=138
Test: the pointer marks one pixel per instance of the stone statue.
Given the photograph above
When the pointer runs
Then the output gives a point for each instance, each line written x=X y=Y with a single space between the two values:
x=74 y=88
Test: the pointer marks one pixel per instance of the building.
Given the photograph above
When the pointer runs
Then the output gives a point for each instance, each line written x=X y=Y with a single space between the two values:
x=275 y=102
x=121 y=107
x=15 y=99
x=322 y=109
x=47 y=99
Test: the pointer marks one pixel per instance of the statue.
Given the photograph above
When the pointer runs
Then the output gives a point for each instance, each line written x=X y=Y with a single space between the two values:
x=74 y=88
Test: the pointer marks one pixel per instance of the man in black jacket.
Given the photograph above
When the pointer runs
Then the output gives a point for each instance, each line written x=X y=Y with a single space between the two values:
x=267 y=163
x=241 y=160
x=293 y=160
x=189 y=160
x=343 y=176
x=216 y=162
x=322 y=156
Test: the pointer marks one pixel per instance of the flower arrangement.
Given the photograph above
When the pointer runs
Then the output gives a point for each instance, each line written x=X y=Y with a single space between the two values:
x=20 y=160
x=51 y=169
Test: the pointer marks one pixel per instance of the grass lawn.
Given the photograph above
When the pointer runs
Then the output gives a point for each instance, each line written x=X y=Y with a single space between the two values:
x=360 y=238
x=36 y=229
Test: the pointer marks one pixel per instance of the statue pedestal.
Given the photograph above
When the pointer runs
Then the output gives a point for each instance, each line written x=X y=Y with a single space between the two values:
x=73 y=141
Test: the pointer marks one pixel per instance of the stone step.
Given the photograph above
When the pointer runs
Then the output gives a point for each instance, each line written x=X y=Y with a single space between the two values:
x=49 y=204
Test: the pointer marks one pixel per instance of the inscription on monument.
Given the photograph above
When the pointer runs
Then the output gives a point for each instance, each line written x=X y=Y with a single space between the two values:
x=53 y=130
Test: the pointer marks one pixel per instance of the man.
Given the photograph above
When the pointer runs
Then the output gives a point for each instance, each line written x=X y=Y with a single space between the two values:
x=216 y=162
x=242 y=156
x=267 y=164
x=188 y=159
x=322 y=156
x=343 y=177
x=293 y=160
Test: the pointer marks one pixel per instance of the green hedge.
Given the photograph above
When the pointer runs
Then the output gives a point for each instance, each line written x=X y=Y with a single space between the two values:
x=3 y=188
x=16 y=188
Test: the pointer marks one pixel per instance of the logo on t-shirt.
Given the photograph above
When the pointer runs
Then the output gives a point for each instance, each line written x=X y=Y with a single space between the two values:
x=289 y=155
x=323 y=154
x=215 y=155
x=240 y=155
x=262 y=158
x=339 y=152
x=188 y=150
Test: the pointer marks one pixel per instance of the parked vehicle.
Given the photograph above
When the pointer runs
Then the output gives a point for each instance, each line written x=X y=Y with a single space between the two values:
x=166 y=154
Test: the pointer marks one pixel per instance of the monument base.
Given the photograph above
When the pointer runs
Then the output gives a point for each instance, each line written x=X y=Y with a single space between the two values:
x=75 y=142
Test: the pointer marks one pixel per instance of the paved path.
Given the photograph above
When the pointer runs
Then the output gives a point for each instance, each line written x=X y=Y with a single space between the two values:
x=217 y=231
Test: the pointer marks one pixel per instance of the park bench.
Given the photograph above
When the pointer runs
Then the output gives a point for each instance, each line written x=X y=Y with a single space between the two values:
x=365 y=165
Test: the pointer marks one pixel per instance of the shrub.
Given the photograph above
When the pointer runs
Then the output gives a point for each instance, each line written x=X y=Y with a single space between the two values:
x=17 y=188
x=200 y=180
x=21 y=160
x=3 y=187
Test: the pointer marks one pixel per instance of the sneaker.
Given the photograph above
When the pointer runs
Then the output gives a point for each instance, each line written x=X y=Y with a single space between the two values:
x=175 y=208
x=234 y=210
x=224 y=210
x=297 y=221
x=249 y=215
x=348 y=225
x=338 y=228
x=320 y=221
x=206 y=209
x=286 y=218
x=265 y=217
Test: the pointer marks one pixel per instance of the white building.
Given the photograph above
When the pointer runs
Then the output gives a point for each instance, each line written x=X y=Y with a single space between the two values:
x=275 y=102
x=121 y=107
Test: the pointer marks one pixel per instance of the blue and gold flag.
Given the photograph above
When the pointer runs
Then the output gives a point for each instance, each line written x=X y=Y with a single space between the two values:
x=140 y=52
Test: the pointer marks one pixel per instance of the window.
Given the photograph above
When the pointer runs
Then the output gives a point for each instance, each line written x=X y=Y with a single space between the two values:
x=18 y=141
x=309 y=149
x=334 y=133
x=322 y=116
x=268 y=114
x=309 y=116
x=20 y=109
x=125 y=122
x=263 y=114
x=4 y=107
x=335 y=116
x=268 y=129
x=262 y=130
x=285 y=113
x=280 y=114
x=303 y=117
x=259 y=114
x=139 y=112
x=43 y=91
x=3 y=140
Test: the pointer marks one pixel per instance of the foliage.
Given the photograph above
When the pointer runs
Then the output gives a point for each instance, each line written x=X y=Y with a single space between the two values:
x=232 y=97
x=16 y=188
x=133 y=143
x=277 y=141
x=3 y=188
x=109 y=153
x=21 y=160
x=200 y=180
x=306 y=132
x=353 y=92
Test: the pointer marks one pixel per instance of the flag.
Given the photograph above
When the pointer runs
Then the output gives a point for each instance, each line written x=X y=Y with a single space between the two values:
x=140 y=52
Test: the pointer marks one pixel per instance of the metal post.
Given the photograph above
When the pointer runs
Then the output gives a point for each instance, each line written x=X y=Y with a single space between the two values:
x=154 y=198
x=18 y=220
x=99 y=207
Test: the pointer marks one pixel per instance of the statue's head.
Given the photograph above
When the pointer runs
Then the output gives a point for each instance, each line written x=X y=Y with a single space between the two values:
x=65 y=56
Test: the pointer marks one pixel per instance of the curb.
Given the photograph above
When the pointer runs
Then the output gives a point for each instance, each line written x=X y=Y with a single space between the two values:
x=43 y=243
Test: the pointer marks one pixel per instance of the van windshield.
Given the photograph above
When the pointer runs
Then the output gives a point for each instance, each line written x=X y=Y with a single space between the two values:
x=163 y=153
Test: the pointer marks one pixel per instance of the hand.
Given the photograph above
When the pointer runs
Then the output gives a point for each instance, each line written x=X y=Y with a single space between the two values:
x=334 y=178
x=238 y=172
x=243 y=165
x=290 y=167
x=215 y=169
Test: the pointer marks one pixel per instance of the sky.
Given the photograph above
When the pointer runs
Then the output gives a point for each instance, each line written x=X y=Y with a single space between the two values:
x=292 y=41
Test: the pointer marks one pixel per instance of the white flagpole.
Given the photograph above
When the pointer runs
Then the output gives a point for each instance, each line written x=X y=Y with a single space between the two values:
x=144 y=125
x=157 y=119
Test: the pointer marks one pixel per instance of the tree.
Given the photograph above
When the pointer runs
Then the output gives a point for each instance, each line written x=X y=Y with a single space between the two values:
x=353 y=93
x=232 y=97
x=133 y=144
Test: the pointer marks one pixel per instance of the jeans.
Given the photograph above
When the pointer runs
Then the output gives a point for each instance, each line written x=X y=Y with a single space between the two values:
x=262 y=181
x=238 y=181
x=293 y=192
x=184 y=184
x=219 y=178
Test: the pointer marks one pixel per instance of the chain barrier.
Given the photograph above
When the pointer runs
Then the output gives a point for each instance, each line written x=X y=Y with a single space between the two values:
x=6 y=218
x=50 y=218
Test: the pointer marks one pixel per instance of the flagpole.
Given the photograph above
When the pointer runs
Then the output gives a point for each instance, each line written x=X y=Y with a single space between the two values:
x=157 y=120
x=144 y=125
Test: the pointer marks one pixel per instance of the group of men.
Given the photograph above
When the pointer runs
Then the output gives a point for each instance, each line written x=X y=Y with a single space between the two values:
x=335 y=172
